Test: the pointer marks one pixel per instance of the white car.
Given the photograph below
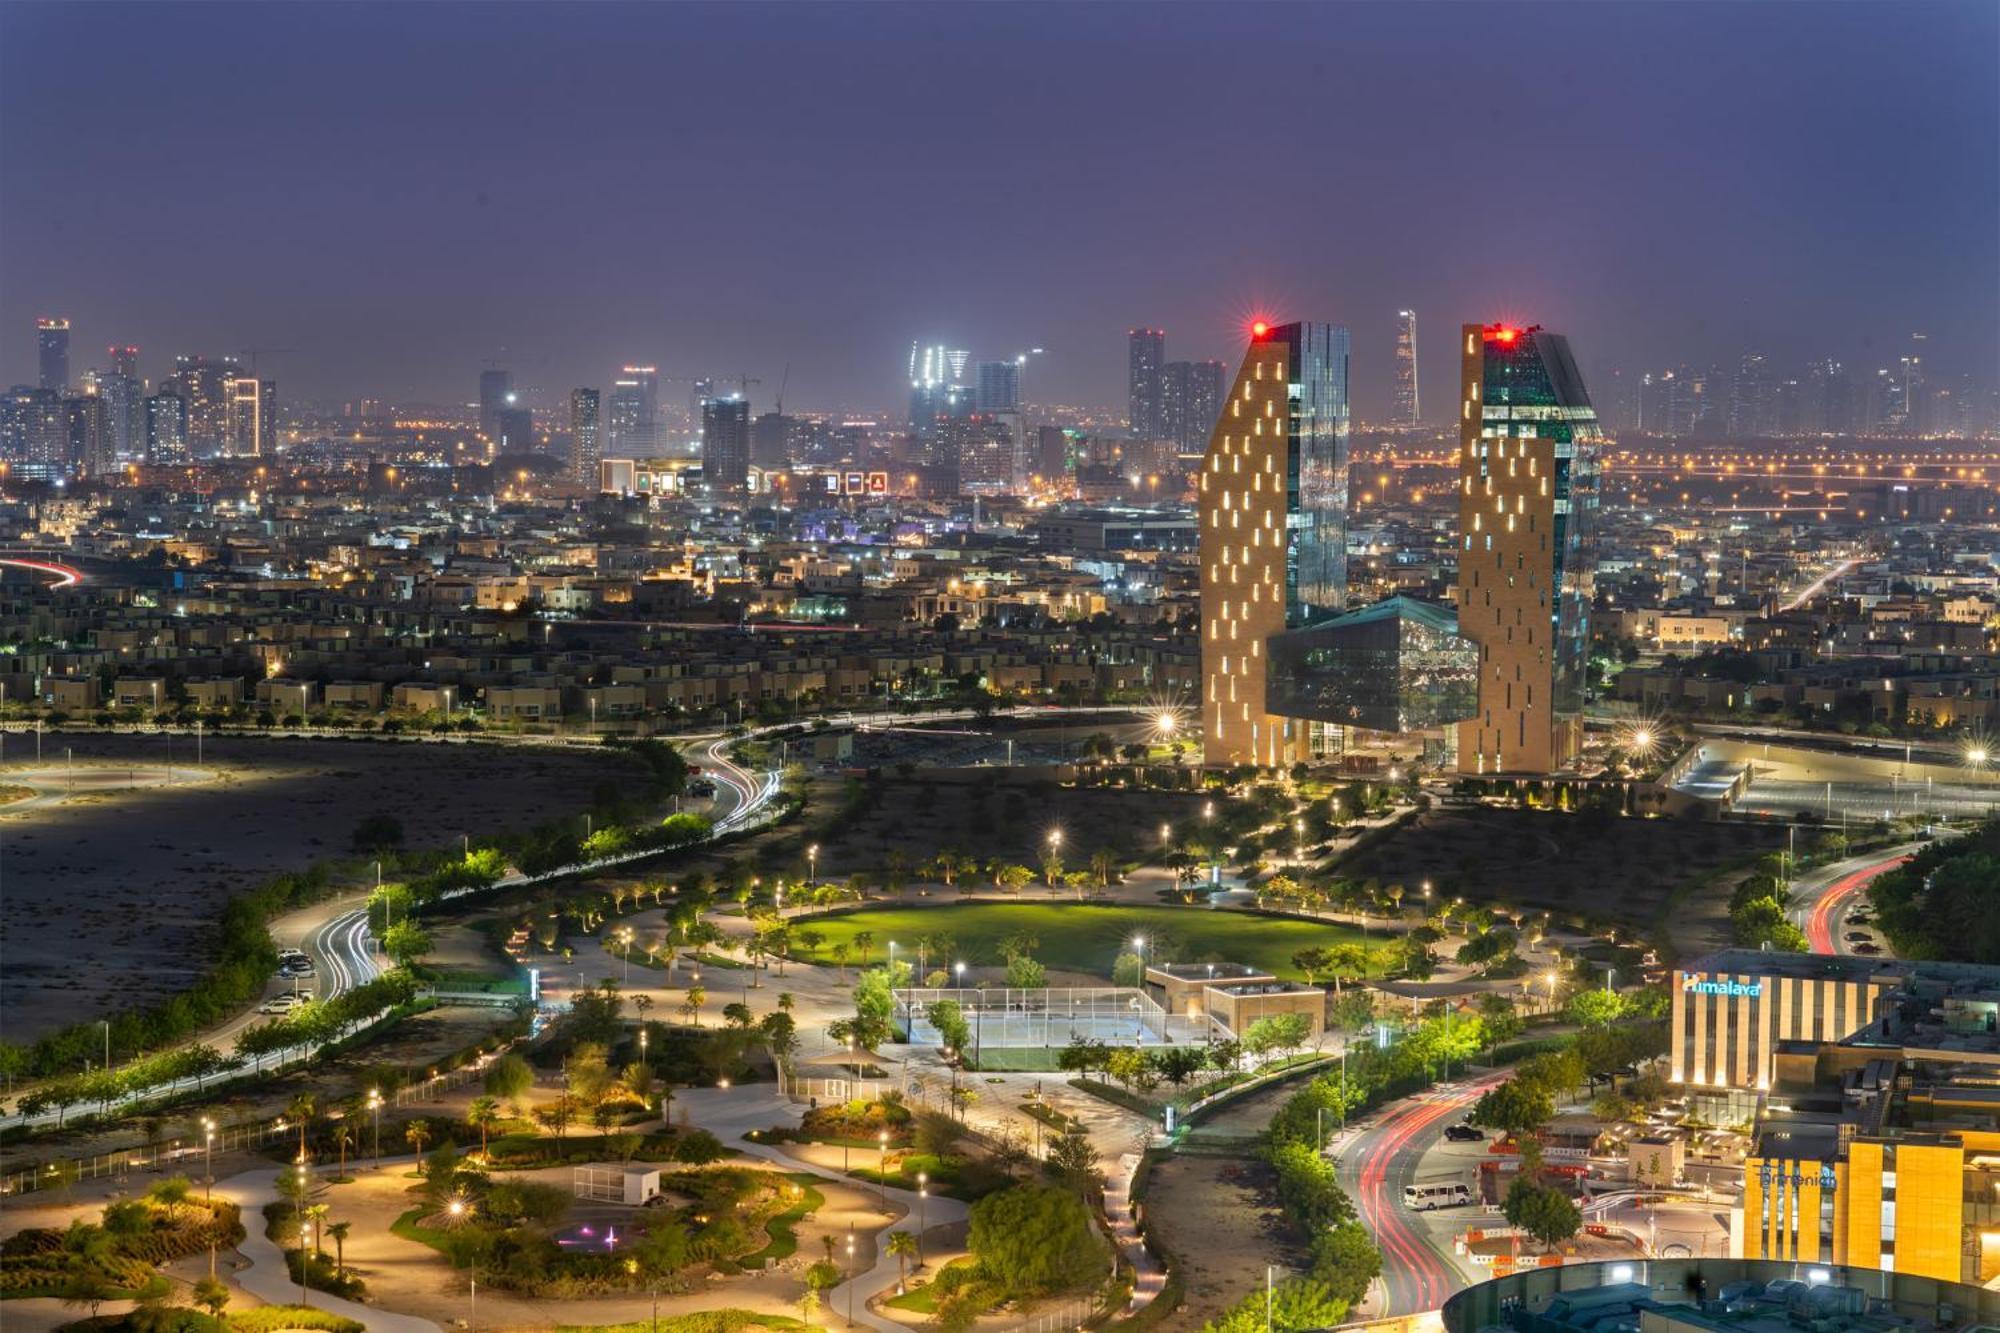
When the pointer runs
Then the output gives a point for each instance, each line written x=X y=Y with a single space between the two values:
x=283 y=1004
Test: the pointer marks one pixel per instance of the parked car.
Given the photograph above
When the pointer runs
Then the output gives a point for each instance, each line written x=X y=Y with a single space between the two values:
x=282 y=1004
x=1465 y=1133
x=1868 y=948
x=1859 y=937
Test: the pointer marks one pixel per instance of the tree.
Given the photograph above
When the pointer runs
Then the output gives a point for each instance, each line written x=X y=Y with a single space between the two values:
x=482 y=1114
x=1034 y=1239
x=509 y=1077
x=1544 y=1213
x=692 y=1002
x=1516 y=1106
x=1595 y=1008
x=338 y=1232
x=1128 y=969
x=406 y=942
x=904 y=1246
x=1313 y=961
x=737 y=1014
x=1073 y=1159
x=948 y=1018
x=301 y=1109
x=417 y=1133
x=1177 y=1064
x=1128 y=1065
x=1347 y=1260
x=1011 y=879
x=212 y=1295
x=1024 y=973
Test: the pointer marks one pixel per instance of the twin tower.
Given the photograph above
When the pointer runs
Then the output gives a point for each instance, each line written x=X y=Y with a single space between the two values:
x=1283 y=659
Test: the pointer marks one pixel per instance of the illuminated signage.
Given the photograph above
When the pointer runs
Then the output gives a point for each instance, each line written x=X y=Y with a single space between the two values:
x=1753 y=989
x=1825 y=1181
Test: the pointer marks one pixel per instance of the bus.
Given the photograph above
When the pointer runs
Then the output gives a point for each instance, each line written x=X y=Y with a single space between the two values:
x=1439 y=1194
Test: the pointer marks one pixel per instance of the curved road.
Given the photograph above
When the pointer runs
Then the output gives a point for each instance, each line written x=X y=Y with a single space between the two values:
x=1375 y=1165
x=1826 y=918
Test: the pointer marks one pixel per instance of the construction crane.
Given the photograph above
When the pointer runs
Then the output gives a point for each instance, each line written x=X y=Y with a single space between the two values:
x=254 y=352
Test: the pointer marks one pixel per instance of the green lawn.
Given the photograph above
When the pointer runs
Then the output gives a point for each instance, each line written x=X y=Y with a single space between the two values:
x=1078 y=937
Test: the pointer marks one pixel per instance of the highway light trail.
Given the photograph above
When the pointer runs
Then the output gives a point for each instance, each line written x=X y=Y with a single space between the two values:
x=1819 y=926
x=67 y=576
x=1415 y=1276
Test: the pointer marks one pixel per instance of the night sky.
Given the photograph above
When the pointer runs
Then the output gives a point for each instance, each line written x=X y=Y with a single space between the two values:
x=403 y=192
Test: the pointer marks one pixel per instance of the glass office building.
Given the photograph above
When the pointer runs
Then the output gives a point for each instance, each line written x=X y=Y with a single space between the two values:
x=1397 y=666
x=1316 y=471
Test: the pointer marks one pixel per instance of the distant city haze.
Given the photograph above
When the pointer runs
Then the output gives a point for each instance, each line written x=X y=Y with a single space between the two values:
x=404 y=194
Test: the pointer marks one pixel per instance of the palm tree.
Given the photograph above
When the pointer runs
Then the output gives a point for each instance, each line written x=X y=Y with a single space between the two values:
x=212 y=1295
x=483 y=1112
x=642 y=1003
x=692 y=1003
x=343 y=1139
x=301 y=1110
x=904 y=1246
x=786 y=1001
x=338 y=1230
x=864 y=940
x=316 y=1214
x=418 y=1133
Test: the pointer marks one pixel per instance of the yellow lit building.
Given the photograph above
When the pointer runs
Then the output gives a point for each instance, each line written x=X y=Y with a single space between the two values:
x=1527 y=492
x=1881 y=1149
x=1272 y=498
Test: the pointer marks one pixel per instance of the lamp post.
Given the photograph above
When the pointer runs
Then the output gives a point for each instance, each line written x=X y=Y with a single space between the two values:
x=923 y=1197
x=305 y=1234
x=208 y=1158
x=375 y=1106
x=850 y=1279
x=812 y=866
x=882 y=1168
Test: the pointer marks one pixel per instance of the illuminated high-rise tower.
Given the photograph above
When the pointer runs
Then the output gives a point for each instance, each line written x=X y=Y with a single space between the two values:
x=585 y=442
x=1273 y=509
x=635 y=411
x=1527 y=495
x=1409 y=409
x=725 y=443
x=1145 y=380
x=52 y=344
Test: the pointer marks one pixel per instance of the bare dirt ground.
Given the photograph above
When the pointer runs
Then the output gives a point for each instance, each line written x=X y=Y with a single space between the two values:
x=1606 y=868
x=1012 y=820
x=111 y=896
x=1215 y=1217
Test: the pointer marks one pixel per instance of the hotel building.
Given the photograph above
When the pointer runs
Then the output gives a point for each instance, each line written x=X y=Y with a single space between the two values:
x=1528 y=490
x=1273 y=517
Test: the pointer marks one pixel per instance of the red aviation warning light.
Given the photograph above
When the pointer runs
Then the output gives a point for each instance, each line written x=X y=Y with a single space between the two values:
x=1501 y=333
x=1259 y=329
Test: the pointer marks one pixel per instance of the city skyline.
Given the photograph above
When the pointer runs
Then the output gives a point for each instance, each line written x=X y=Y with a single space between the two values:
x=1778 y=243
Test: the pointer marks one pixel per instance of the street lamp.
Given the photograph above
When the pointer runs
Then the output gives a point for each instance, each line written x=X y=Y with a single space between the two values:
x=1166 y=835
x=375 y=1105
x=923 y=1197
x=812 y=866
x=850 y=1279
x=208 y=1163
x=882 y=1167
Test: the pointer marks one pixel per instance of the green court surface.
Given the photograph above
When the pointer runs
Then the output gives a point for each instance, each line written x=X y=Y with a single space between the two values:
x=1074 y=937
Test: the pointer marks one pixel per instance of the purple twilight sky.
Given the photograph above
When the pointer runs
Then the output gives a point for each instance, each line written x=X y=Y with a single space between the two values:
x=403 y=192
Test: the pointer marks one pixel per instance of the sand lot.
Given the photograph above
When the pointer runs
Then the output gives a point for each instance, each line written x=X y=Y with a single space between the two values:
x=106 y=898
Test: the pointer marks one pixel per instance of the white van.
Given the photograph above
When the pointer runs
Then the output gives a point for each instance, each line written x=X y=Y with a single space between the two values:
x=1442 y=1194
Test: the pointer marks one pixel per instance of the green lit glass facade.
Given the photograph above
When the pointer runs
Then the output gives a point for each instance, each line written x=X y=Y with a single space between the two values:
x=1532 y=390
x=1399 y=665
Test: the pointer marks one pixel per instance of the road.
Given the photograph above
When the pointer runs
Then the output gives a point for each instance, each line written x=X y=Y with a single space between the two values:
x=1376 y=1162
x=1832 y=892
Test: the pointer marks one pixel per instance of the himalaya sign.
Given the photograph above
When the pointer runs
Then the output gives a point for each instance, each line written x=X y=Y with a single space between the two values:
x=1753 y=989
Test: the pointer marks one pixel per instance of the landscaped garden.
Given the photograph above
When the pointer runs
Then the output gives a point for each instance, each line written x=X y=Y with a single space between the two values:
x=1072 y=937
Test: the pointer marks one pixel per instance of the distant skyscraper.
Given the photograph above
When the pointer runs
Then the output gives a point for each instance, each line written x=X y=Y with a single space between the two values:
x=1190 y=401
x=771 y=440
x=1752 y=397
x=495 y=387
x=1409 y=409
x=991 y=453
x=586 y=444
x=1527 y=496
x=253 y=416
x=204 y=386
x=34 y=432
x=52 y=343
x=124 y=401
x=89 y=430
x=166 y=427
x=517 y=430
x=999 y=387
x=1273 y=518
x=635 y=412
x=939 y=398
x=725 y=443
x=1147 y=356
